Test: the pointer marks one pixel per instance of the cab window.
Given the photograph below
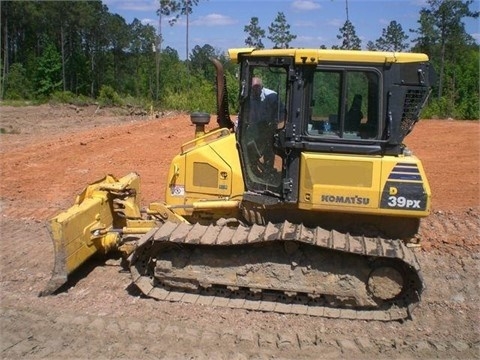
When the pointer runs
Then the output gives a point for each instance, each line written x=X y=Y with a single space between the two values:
x=344 y=104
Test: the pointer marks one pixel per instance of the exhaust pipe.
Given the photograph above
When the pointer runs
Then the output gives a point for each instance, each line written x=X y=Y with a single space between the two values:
x=223 y=115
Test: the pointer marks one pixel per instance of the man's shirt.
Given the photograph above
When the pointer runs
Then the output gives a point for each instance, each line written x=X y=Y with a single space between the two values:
x=264 y=108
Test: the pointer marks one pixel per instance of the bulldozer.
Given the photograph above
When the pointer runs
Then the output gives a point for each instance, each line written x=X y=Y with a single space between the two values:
x=310 y=205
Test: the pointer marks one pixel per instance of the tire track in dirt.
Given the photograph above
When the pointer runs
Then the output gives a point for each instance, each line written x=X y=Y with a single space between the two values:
x=449 y=230
x=106 y=332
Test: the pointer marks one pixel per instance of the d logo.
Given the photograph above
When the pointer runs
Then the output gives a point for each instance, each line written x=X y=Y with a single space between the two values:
x=393 y=190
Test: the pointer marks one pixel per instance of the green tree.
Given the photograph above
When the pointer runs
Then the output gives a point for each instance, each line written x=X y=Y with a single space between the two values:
x=442 y=32
x=18 y=86
x=200 y=60
x=48 y=77
x=141 y=64
x=173 y=71
x=119 y=39
x=56 y=21
x=393 y=38
x=178 y=8
x=371 y=46
x=350 y=40
x=467 y=89
x=19 y=37
x=95 y=45
x=255 y=34
x=279 y=32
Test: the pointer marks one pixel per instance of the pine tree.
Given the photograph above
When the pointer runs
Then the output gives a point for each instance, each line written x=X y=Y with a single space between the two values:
x=350 y=39
x=18 y=86
x=442 y=32
x=49 y=71
x=393 y=38
x=371 y=46
x=178 y=8
x=279 y=31
x=255 y=34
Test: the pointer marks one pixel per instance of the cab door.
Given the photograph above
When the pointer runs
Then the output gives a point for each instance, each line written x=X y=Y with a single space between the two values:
x=261 y=118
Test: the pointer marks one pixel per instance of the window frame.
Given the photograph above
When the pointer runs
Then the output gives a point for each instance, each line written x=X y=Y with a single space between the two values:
x=343 y=104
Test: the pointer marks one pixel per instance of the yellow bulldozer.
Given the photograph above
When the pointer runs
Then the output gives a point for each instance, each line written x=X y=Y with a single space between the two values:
x=306 y=203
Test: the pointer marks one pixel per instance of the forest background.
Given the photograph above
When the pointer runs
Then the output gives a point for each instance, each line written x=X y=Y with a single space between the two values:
x=78 y=52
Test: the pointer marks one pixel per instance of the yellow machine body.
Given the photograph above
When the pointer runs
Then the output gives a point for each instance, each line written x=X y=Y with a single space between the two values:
x=205 y=179
x=375 y=185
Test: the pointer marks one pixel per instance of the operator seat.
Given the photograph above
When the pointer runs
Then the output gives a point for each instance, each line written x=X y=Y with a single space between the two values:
x=354 y=115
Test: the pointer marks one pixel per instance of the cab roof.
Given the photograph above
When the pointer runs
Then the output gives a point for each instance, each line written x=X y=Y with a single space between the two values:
x=317 y=56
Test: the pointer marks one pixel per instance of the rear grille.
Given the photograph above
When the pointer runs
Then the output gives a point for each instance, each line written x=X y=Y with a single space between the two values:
x=412 y=106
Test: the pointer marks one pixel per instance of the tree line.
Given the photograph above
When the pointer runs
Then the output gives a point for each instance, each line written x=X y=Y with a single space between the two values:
x=79 y=52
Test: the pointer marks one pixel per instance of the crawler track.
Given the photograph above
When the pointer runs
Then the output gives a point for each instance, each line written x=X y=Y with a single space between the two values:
x=342 y=258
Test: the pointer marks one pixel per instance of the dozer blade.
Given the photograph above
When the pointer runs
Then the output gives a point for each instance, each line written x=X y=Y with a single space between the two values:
x=90 y=225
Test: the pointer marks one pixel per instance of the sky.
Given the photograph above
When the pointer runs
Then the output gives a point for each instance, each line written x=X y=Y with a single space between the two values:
x=220 y=23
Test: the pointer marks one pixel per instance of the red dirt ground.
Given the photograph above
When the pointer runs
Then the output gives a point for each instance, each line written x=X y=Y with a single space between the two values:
x=48 y=154
x=50 y=158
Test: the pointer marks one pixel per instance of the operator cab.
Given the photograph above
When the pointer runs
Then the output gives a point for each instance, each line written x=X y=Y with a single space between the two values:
x=322 y=101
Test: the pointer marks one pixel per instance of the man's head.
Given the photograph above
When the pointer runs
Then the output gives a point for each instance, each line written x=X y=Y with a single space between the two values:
x=257 y=87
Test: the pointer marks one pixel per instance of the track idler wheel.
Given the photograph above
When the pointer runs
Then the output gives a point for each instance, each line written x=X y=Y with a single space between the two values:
x=385 y=283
